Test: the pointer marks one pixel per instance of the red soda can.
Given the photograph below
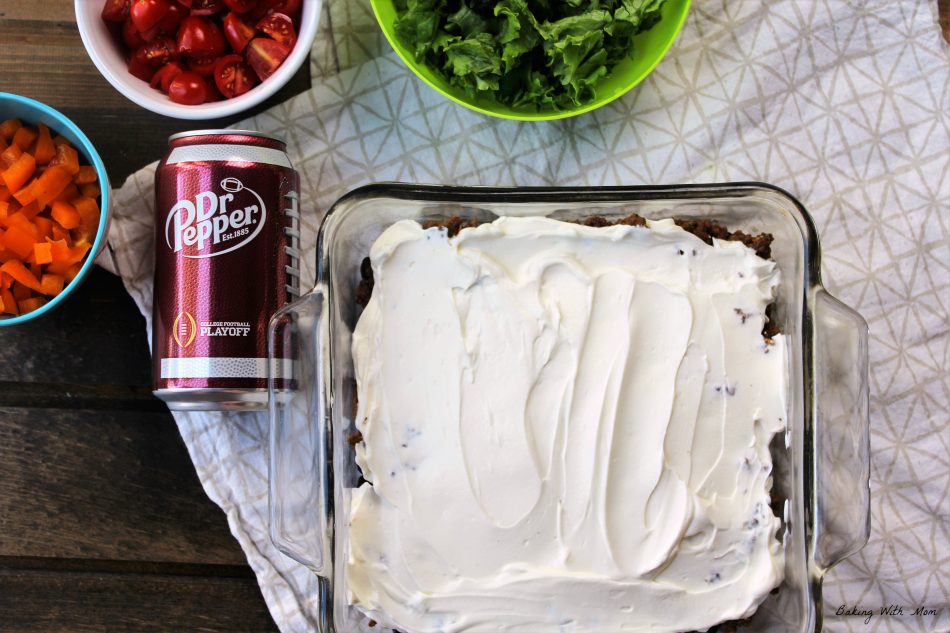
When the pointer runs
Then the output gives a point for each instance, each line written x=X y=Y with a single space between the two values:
x=226 y=259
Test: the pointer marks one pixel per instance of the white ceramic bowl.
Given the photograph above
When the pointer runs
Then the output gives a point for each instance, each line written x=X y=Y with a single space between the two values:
x=107 y=55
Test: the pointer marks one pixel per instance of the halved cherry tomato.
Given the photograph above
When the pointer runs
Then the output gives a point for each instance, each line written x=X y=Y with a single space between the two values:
x=205 y=7
x=163 y=78
x=280 y=27
x=237 y=31
x=147 y=13
x=139 y=66
x=200 y=38
x=172 y=18
x=131 y=36
x=287 y=7
x=158 y=52
x=116 y=10
x=240 y=6
x=204 y=66
x=265 y=56
x=188 y=88
x=233 y=76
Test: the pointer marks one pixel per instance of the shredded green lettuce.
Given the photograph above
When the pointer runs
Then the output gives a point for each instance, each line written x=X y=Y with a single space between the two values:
x=542 y=53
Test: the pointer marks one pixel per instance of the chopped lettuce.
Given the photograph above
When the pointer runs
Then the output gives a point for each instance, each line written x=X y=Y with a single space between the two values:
x=541 y=53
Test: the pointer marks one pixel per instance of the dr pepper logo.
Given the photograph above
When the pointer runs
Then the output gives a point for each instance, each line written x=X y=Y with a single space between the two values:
x=232 y=218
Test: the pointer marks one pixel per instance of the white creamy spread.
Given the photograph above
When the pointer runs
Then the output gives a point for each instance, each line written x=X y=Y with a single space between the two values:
x=565 y=429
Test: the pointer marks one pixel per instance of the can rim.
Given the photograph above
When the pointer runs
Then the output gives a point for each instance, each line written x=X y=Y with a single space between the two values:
x=219 y=132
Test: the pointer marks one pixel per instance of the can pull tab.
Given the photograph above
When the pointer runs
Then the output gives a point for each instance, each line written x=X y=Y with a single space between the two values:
x=292 y=231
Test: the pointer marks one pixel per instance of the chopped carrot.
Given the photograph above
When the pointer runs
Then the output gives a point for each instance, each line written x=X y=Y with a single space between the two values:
x=28 y=305
x=66 y=157
x=42 y=253
x=9 y=156
x=24 y=137
x=9 y=127
x=44 y=150
x=9 y=303
x=19 y=172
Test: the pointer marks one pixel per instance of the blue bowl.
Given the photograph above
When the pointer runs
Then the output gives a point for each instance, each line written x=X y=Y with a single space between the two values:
x=30 y=111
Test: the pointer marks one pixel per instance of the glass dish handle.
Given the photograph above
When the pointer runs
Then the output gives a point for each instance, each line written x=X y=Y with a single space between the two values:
x=298 y=481
x=842 y=496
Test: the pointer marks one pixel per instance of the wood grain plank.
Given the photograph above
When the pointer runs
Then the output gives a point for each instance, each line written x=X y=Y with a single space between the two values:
x=96 y=337
x=32 y=602
x=104 y=485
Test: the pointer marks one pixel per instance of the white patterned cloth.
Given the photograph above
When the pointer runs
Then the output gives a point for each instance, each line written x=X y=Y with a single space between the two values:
x=844 y=104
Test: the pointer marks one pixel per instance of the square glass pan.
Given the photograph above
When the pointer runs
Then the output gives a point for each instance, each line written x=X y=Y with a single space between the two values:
x=821 y=464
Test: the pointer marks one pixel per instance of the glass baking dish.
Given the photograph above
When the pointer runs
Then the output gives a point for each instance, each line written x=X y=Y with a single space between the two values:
x=820 y=469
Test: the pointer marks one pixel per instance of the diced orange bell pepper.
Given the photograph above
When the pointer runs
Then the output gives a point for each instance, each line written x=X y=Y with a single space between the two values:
x=16 y=175
x=66 y=157
x=30 y=210
x=59 y=233
x=9 y=156
x=4 y=209
x=91 y=191
x=19 y=241
x=59 y=139
x=9 y=127
x=24 y=137
x=51 y=285
x=26 y=195
x=28 y=305
x=88 y=211
x=44 y=227
x=50 y=184
x=86 y=175
x=3 y=144
x=69 y=193
x=42 y=253
x=9 y=302
x=4 y=194
x=18 y=219
x=44 y=150
x=65 y=214
x=5 y=281
x=21 y=274
x=20 y=292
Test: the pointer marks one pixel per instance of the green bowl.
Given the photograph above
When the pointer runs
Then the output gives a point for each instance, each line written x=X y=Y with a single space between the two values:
x=651 y=46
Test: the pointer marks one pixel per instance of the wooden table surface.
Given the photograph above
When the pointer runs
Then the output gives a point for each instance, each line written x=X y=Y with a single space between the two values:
x=103 y=523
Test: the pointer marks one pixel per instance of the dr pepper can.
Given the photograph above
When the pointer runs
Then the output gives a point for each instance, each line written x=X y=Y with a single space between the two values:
x=226 y=259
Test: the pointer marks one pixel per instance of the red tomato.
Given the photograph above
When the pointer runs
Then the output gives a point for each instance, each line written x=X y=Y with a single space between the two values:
x=265 y=56
x=200 y=38
x=279 y=27
x=287 y=7
x=241 y=6
x=131 y=36
x=147 y=13
x=203 y=66
x=237 y=31
x=116 y=10
x=158 y=52
x=173 y=17
x=233 y=76
x=163 y=78
x=205 y=7
x=139 y=66
x=188 y=88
